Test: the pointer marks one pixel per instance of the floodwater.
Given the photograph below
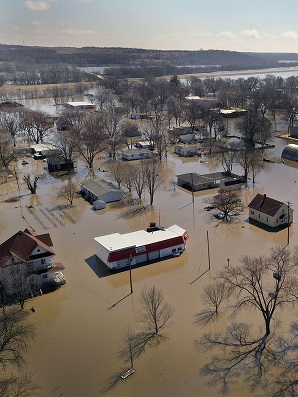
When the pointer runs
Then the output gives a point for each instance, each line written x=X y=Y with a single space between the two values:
x=80 y=326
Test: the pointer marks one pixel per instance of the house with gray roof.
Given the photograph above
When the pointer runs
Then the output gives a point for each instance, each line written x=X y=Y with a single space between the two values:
x=270 y=212
x=94 y=190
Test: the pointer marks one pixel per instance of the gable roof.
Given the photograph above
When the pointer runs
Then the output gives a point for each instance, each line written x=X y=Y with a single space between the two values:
x=266 y=205
x=21 y=244
x=99 y=187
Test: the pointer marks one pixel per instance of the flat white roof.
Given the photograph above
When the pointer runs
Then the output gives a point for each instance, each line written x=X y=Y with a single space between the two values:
x=117 y=241
x=79 y=104
x=193 y=98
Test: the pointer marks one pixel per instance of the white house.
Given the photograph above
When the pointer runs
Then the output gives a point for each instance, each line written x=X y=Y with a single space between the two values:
x=136 y=154
x=187 y=150
x=100 y=190
x=120 y=250
x=27 y=258
x=270 y=212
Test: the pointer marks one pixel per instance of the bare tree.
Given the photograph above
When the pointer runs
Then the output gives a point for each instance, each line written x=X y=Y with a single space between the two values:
x=116 y=172
x=130 y=132
x=155 y=312
x=36 y=124
x=68 y=191
x=6 y=150
x=111 y=122
x=228 y=203
x=153 y=176
x=31 y=184
x=66 y=143
x=251 y=161
x=226 y=155
x=10 y=121
x=18 y=386
x=138 y=179
x=15 y=333
x=212 y=297
x=92 y=139
x=263 y=285
x=254 y=126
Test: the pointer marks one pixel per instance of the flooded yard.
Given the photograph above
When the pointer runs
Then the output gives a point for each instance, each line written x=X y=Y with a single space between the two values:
x=80 y=326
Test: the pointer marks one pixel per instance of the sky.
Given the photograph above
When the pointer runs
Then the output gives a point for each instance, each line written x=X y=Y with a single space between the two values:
x=251 y=25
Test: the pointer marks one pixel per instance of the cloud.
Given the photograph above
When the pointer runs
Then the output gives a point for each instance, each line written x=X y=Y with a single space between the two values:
x=73 y=31
x=226 y=34
x=251 y=33
x=290 y=35
x=37 y=5
x=36 y=23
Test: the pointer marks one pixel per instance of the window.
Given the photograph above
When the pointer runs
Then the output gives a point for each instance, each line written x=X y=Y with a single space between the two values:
x=174 y=250
x=43 y=261
x=44 y=276
x=267 y=219
x=180 y=249
x=259 y=216
x=276 y=220
x=252 y=212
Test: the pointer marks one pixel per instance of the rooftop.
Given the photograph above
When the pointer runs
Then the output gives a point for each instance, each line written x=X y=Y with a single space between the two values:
x=265 y=204
x=98 y=187
x=117 y=241
x=197 y=178
x=74 y=104
x=21 y=244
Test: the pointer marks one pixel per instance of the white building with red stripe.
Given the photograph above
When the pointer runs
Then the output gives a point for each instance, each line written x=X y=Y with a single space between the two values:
x=120 y=250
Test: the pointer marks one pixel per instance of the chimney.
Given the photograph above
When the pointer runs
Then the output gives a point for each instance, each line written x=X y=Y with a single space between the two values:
x=263 y=201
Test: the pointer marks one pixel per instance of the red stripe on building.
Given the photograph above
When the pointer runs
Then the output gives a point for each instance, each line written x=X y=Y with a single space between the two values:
x=157 y=246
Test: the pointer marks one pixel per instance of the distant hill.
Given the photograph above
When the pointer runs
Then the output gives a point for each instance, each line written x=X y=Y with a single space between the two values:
x=97 y=56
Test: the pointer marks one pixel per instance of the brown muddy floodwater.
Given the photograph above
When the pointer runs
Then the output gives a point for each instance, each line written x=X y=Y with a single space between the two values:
x=79 y=332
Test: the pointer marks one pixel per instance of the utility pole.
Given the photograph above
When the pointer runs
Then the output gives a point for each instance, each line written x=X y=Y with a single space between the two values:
x=209 y=263
x=192 y=188
x=130 y=275
x=288 y=203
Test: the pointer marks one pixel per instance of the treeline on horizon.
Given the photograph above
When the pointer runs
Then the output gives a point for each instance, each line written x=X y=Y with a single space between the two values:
x=108 y=56
x=121 y=63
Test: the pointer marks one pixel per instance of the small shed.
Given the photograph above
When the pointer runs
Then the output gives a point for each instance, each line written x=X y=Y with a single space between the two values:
x=290 y=152
x=102 y=190
x=99 y=205
x=136 y=154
